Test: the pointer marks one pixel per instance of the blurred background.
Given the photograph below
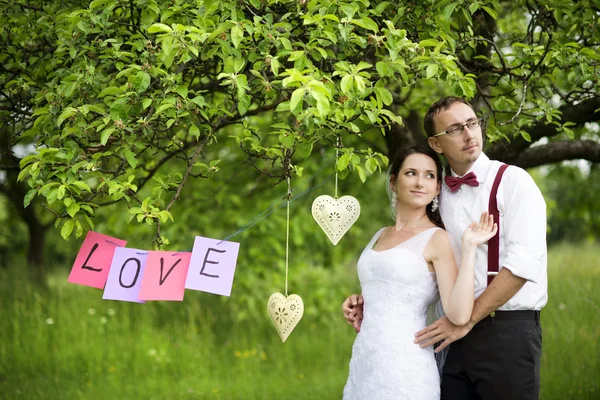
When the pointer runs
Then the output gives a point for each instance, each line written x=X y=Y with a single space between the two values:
x=155 y=121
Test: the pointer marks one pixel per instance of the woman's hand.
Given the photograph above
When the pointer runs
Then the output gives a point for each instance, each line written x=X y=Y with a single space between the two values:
x=480 y=232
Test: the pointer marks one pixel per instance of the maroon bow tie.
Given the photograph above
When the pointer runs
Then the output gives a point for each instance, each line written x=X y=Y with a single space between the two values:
x=454 y=182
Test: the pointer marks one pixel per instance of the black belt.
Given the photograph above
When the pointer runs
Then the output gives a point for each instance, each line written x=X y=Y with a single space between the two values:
x=533 y=315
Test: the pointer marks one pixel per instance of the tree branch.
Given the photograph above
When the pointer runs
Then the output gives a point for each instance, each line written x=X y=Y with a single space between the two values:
x=579 y=114
x=558 y=151
x=175 y=197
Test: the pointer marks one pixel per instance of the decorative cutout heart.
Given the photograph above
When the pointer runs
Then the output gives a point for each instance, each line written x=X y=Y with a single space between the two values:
x=335 y=216
x=285 y=313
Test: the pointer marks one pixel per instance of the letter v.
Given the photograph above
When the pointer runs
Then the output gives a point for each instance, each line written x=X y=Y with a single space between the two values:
x=162 y=264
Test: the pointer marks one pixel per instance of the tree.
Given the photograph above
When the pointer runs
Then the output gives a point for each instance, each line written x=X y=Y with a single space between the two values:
x=117 y=95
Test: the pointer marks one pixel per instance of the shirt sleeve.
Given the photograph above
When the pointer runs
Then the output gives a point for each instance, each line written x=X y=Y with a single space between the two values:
x=523 y=222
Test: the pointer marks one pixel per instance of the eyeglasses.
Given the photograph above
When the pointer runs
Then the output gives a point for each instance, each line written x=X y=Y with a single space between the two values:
x=458 y=129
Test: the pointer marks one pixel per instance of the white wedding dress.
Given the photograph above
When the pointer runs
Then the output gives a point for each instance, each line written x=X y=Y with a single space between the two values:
x=397 y=288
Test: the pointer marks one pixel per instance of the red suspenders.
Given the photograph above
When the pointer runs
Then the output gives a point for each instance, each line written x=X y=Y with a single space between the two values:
x=494 y=243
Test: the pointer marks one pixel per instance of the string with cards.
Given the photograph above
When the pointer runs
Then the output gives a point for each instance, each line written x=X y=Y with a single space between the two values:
x=335 y=216
x=136 y=275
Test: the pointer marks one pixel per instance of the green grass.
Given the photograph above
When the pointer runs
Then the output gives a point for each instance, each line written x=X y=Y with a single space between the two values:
x=67 y=343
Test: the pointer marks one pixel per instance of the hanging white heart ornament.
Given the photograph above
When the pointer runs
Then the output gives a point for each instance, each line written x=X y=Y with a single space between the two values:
x=335 y=216
x=285 y=312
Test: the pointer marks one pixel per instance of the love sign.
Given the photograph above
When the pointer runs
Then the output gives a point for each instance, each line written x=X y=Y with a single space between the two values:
x=137 y=275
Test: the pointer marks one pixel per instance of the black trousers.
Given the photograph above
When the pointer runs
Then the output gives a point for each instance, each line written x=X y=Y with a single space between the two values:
x=499 y=359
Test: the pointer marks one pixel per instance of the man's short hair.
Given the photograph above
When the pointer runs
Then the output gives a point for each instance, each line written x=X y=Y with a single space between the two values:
x=440 y=105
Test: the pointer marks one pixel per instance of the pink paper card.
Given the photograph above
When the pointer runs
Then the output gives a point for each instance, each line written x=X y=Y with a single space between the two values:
x=212 y=266
x=164 y=275
x=93 y=260
x=125 y=275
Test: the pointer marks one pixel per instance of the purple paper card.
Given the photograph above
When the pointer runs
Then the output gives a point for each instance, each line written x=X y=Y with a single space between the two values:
x=125 y=275
x=212 y=266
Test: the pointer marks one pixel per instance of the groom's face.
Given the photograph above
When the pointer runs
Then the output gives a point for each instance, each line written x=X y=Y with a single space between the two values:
x=461 y=150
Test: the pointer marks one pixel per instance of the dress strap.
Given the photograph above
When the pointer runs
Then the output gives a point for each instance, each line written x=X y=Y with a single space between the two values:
x=421 y=240
x=375 y=238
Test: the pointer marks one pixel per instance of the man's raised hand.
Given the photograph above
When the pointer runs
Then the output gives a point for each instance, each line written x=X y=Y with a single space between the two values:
x=352 y=308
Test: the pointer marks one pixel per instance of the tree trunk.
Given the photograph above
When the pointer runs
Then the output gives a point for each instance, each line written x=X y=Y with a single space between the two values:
x=37 y=238
x=15 y=192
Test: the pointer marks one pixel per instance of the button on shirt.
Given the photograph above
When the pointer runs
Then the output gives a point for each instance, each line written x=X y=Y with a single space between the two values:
x=522 y=228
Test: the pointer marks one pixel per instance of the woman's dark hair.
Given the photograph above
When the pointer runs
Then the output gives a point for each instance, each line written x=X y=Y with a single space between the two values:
x=401 y=155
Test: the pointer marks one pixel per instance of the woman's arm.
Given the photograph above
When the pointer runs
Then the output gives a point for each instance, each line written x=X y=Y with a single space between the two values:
x=457 y=286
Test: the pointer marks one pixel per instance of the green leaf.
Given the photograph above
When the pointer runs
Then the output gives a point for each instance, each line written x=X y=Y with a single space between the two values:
x=467 y=89
x=163 y=107
x=82 y=185
x=156 y=28
x=182 y=91
x=110 y=91
x=130 y=156
x=525 y=136
x=89 y=221
x=346 y=83
x=28 y=197
x=105 y=135
x=296 y=99
x=285 y=42
x=164 y=215
x=366 y=23
x=23 y=173
x=146 y=103
x=371 y=165
x=428 y=43
x=360 y=83
x=194 y=131
x=490 y=11
x=385 y=95
x=73 y=209
x=60 y=193
x=383 y=69
x=98 y=3
x=67 y=228
x=322 y=103
x=473 y=7
x=370 y=24
x=361 y=173
x=199 y=101
x=448 y=10
x=236 y=36
x=68 y=112
x=343 y=161
x=432 y=70
x=467 y=16
x=287 y=140
x=294 y=55
x=142 y=81
x=275 y=66
x=78 y=229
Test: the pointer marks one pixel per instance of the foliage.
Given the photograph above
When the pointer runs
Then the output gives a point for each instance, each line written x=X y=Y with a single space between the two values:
x=574 y=208
x=70 y=344
x=120 y=96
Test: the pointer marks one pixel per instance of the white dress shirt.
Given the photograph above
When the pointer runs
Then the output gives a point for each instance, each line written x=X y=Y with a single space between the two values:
x=522 y=228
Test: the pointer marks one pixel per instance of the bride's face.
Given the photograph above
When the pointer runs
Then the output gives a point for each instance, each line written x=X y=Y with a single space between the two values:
x=417 y=182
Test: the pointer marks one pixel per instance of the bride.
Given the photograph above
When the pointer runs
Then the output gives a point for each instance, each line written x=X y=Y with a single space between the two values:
x=400 y=272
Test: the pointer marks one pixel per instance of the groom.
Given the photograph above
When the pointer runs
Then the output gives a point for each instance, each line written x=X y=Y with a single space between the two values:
x=496 y=355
